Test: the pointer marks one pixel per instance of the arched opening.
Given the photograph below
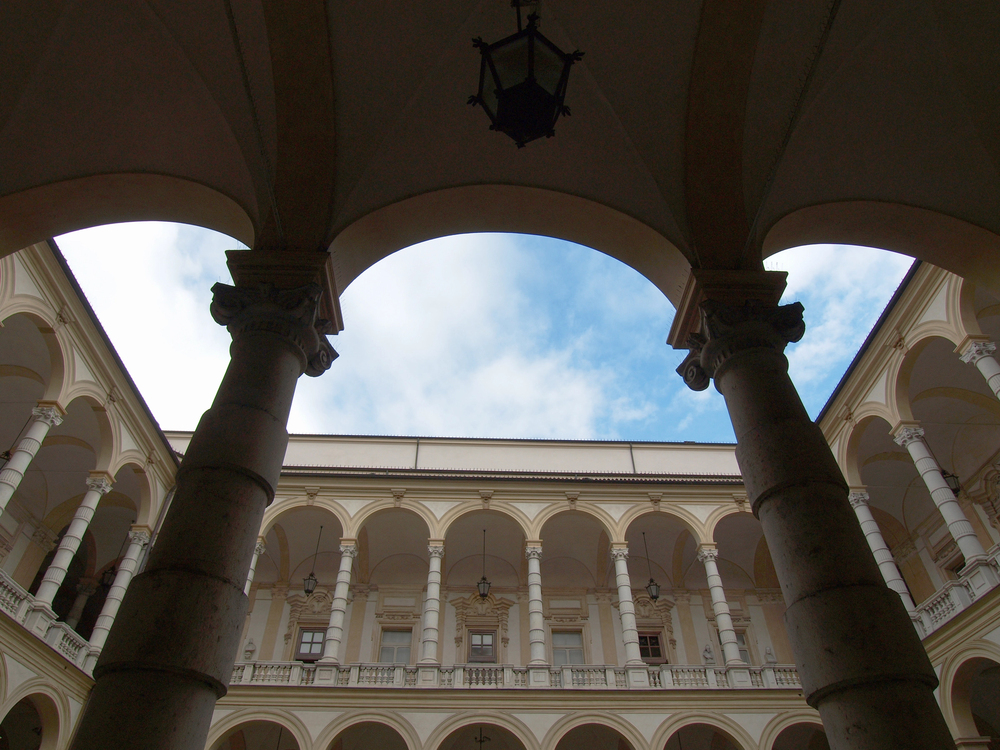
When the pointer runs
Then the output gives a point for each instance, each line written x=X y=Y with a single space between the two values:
x=369 y=734
x=801 y=737
x=31 y=724
x=500 y=738
x=258 y=735
x=701 y=737
x=975 y=700
x=593 y=737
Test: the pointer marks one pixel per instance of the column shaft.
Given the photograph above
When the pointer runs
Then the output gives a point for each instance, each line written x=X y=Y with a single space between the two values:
x=880 y=551
x=258 y=550
x=723 y=619
x=912 y=438
x=45 y=417
x=170 y=653
x=138 y=539
x=861 y=662
x=432 y=605
x=980 y=353
x=99 y=486
x=626 y=607
x=83 y=593
x=335 y=630
x=536 y=620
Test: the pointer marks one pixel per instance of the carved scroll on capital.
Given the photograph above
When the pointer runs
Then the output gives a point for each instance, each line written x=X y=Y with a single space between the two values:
x=727 y=330
x=291 y=313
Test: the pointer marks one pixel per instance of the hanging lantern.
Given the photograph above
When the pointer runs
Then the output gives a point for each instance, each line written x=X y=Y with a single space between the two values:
x=309 y=582
x=483 y=585
x=522 y=82
x=652 y=588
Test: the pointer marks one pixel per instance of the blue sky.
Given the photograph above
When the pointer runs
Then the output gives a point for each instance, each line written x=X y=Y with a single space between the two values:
x=470 y=336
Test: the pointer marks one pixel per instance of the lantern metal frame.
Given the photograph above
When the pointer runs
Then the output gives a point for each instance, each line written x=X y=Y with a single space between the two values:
x=652 y=588
x=524 y=109
x=483 y=585
x=310 y=581
x=952 y=481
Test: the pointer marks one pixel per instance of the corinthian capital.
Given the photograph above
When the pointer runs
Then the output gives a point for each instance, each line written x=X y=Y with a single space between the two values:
x=533 y=552
x=907 y=435
x=50 y=415
x=619 y=553
x=977 y=350
x=858 y=498
x=290 y=313
x=99 y=484
x=435 y=550
x=139 y=536
x=260 y=548
x=707 y=553
x=349 y=550
x=726 y=330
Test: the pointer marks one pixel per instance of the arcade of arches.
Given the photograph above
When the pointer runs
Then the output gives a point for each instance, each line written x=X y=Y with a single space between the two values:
x=325 y=135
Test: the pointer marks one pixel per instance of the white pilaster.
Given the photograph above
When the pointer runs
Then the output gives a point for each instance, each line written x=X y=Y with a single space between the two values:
x=335 y=630
x=912 y=438
x=536 y=621
x=99 y=485
x=138 y=538
x=626 y=607
x=432 y=605
x=45 y=417
x=258 y=550
x=980 y=354
x=886 y=563
x=708 y=554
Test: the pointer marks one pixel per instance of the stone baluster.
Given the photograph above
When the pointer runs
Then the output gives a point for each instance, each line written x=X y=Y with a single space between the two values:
x=138 y=539
x=536 y=621
x=335 y=630
x=45 y=417
x=980 y=354
x=170 y=654
x=258 y=550
x=860 y=659
x=432 y=604
x=912 y=438
x=708 y=555
x=880 y=551
x=99 y=484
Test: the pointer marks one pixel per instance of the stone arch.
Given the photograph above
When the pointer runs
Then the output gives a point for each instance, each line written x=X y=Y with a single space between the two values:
x=900 y=376
x=332 y=732
x=958 y=246
x=602 y=517
x=562 y=728
x=783 y=721
x=967 y=321
x=34 y=215
x=851 y=466
x=285 y=504
x=44 y=320
x=357 y=523
x=957 y=675
x=509 y=208
x=511 y=723
x=405 y=561
x=287 y=720
x=722 y=512
x=453 y=515
x=719 y=722
x=106 y=447
x=694 y=526
x=51 y=706
x=144 y=503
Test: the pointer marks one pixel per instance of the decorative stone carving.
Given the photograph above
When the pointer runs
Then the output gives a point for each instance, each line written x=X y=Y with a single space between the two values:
x=977 y=350
x=312 y=609
x=707 y=553
x=533 y=552
x=260 y=548
x=100 y=485
x=349 y=550
x=290 y=313
x=475 y=612
x=619 y=553
x=50 y=415
x=907 y=435
x=648 y=612
x=859 y=498
x=435 y=551
x=726 y=330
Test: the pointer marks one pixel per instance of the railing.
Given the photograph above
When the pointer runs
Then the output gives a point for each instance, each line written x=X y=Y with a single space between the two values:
x=13 y=599
x=497 y=677
x=975 y=580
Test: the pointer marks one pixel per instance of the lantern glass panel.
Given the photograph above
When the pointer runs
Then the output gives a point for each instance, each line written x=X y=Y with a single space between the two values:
x=548 y=67
x=511 y=61
x=489 y=92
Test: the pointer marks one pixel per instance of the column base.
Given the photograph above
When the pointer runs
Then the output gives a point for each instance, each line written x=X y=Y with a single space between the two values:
x=90 y=661
x=738 y=677
x=538 y=676
x=326 y=673
x=40 y=616
x=972 y=743
x=428 y=675
x=979 y=576
x=637 y=677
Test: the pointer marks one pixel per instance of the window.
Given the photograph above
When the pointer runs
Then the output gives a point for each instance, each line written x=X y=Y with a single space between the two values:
x=482 y=646
x=741 y=641
x=567 y=648
x=651 y=648
x=395 y=647
x=310 y=646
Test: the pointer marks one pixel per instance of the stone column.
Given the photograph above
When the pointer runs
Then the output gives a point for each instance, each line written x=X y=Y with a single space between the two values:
x=138 y=538
x=536 y=621
x=860 y=659
x=258 y=550
x=980 y=354
x=880 y=551
x=912 y=438
x=707 y=555
x=335 y=630
x=84 y=590
x=170 y=654
x=626 y=608
x=45 y=418
x=432 y=604
x=99 y=485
